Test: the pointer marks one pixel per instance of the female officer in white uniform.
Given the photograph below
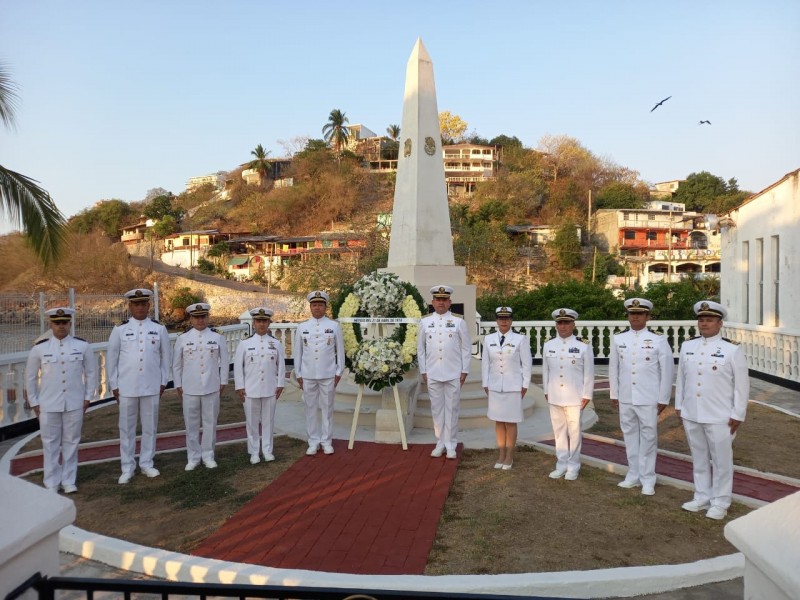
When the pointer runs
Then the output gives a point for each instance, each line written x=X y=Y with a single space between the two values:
x=506 y=374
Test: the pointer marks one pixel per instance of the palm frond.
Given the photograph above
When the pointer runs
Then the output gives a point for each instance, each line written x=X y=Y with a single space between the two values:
x=9 y=99
x=24 y=202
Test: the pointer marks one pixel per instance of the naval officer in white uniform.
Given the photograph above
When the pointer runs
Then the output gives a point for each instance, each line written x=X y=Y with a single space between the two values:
x=506 y=375
x=138 y=368
x=319 y=362
x=200 y=367
x=259 y=373
x=444 y=351
x=568 y=383
x=711 y=397
x=61 y=379
x=640 y=371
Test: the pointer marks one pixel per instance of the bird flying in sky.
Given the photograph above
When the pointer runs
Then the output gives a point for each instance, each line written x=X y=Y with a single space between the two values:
x=707 y=122
x=660 y=103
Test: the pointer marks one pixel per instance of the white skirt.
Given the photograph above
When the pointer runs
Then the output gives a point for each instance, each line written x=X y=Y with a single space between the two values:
x=505 y=407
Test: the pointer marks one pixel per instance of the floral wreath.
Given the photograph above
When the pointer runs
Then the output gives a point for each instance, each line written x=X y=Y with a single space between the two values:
x=379 y=363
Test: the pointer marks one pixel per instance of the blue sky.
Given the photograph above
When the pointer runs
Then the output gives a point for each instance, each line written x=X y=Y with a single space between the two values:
x=121 y=97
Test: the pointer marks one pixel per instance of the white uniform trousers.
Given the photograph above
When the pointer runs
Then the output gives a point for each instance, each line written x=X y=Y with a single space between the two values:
x=61 y=434
x=639 y=426
x=445 y=399
x=318 y=395
x=130 y=407
x=259 y=412
x=566 y=422
x=201 y=410
x=711 y=443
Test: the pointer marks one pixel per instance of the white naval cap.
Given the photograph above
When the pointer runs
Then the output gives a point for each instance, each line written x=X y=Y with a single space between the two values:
x=60 y=314
x=710 y=308
x=261 y=313
x=637 y=305
x=564 y=314
x=318 y=296
x=441 y=291
x=138 y=295
x=503 y=311
x=198 y=309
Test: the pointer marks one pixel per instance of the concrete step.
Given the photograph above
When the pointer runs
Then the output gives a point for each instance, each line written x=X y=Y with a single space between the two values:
x=472 y=417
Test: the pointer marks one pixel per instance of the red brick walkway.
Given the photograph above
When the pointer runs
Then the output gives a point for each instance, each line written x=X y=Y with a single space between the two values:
x=371 y=510
x=744 y=484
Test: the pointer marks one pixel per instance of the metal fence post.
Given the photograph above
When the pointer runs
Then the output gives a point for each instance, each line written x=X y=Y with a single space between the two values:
x=72 y=306
x=41 y=313
x=155 y=300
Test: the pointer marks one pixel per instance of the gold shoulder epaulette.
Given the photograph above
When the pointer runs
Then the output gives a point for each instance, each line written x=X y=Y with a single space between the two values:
x=734 y=342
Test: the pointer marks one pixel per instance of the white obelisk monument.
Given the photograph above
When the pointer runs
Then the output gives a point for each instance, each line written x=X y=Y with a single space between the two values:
x=421 y=243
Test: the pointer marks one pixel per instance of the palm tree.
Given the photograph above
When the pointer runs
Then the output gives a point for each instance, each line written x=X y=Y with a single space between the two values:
x=393 y=131
x=335 y=131
x=261 y=163
x=21 y=199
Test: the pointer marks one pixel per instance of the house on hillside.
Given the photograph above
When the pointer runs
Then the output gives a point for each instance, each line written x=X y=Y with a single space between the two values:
x=661 y=242
x=263 y=256
x=216 y=179
x=468 y=164
x=133 y=234
x=186 y=248
x=665 y=189
x=760 y=243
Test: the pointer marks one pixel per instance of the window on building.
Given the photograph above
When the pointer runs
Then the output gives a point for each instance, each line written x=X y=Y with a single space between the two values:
x=652 y=236
x=626 y=216
x=630 y=235
x=746 y=281
x=775 y=262
x=651 y=216
x=760 y=280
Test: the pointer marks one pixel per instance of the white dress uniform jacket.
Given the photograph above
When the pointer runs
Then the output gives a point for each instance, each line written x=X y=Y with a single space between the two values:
x=61 y=374
x=138 y=358
x=318 y=349
x=259 y=366
x=506 y=368
x=567 y=371
x=713 y=384
x=640 y=368
x=444 y=347
x=201 y=363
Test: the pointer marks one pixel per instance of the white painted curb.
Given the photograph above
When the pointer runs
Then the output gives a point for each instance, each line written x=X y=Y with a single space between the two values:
x=625 y=582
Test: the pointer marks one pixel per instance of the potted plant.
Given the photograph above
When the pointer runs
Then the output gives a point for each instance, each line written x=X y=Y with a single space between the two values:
x=179 y=299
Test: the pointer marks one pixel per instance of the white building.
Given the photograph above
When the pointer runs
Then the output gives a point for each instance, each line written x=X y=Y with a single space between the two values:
x=761 y=257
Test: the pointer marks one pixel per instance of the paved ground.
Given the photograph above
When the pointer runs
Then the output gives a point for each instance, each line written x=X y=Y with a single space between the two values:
x=788 y=400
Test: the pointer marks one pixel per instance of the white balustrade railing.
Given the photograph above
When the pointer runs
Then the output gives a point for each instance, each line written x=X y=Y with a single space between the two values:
x=769 y=350
x=12 y=375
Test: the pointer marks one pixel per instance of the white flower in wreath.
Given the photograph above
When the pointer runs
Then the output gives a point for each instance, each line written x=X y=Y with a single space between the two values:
x=380 y=362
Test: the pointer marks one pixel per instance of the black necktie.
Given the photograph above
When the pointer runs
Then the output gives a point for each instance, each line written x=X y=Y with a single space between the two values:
x=502 y=340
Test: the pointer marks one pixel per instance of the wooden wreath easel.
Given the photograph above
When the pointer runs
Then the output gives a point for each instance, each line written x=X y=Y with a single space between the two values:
x=356 y=412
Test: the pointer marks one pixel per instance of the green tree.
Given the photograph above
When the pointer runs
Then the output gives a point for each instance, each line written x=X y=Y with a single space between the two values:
x=261 y=163
x=592 y=302
x=163 y=206
x=675 y=300
x=393 y=131
x=22 y=201
x=704 y=192
x=335 y=130
x=567 y=246
x=107 y=216
x=506 y=142
x=601 y=266
x=618 y=195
